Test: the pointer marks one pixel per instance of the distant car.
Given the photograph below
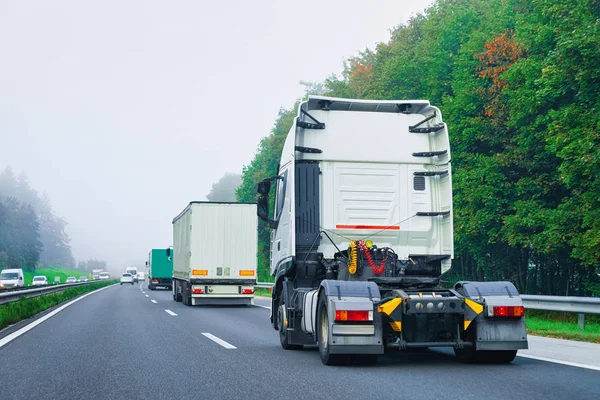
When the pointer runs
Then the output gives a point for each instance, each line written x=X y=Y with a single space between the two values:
x=11 y=278
x=96 y=277
x=104 y=275
x=71 y=279
x=141 y=276
x=39 y=280
x=126 y=278
x=83 y=279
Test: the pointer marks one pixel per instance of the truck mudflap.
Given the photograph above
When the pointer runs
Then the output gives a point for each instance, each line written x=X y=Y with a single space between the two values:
x=345 y=319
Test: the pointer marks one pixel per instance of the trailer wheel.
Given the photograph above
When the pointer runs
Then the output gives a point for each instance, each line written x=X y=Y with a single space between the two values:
x=176 y=296
x=323 y=335
x=186 y=298
x=283 y=333
x=151 y=286
x=470 y=355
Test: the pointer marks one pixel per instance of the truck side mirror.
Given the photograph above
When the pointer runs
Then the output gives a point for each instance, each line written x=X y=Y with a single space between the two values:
x=146 y=263
x=264 y=188
x=263 y=207
x=168 y=253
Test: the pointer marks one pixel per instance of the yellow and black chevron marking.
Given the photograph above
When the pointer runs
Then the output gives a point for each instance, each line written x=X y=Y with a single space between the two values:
x=396 y=326
x=388 y=307
x=472 y=310
x=391 y=309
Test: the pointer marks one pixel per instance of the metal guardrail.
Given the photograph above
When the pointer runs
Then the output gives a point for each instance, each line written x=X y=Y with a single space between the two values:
x=11 y=295
x=579 y=305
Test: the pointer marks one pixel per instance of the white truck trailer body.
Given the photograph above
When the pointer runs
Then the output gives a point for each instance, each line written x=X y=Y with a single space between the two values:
x=214 y=253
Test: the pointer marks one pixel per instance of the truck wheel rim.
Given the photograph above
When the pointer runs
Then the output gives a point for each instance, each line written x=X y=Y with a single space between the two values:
x=324 y=328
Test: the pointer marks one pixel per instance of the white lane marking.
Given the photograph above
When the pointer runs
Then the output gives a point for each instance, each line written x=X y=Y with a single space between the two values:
x=219 y=341
x=141 y=285
x=154 y=301
x=143 y=292
x=258 y=305
x=35 y=323
x=570 y=364
x=171 y=313
x=147 y=296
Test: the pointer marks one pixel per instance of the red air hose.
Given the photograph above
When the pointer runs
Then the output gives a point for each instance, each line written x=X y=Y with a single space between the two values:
x=376 y=270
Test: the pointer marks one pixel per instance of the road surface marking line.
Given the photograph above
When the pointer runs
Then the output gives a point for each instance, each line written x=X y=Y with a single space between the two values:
x=258 y=305
x=147 y=296
x=141 y=285
x=154 y=301
x=552 y=360
x=219 y=341
x=4 y=341
x=171 y=313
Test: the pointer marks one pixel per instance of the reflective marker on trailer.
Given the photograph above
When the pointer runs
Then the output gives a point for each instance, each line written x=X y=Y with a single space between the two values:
x=506 y=311
x=354 y=315
x=154 y=280
x=197 y=291
x=247 y=291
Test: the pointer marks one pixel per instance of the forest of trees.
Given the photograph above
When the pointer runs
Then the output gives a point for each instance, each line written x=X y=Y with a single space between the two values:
x=224 y=188
x=31 y=234
x=518 y=84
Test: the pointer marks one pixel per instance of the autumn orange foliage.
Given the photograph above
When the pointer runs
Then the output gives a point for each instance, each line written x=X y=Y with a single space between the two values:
x=500 y=53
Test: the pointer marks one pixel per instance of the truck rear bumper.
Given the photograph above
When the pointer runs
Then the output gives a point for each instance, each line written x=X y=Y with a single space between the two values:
x=356 y=349
x=221 y=300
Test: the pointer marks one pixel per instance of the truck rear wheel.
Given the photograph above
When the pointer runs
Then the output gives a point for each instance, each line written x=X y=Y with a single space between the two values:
x=186 y=296
x=323 y=335
x=151 y=286
x=176 y=296
x=283 y=333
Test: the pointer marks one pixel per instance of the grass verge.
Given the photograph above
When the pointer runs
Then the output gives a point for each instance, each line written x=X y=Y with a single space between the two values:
x=51 y=273
x=562 y=326
x=262 y=292
x=11 y=313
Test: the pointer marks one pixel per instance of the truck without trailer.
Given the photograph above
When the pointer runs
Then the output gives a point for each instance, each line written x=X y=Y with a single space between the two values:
x=362 y=231
x=160 y=269
x=214 y=253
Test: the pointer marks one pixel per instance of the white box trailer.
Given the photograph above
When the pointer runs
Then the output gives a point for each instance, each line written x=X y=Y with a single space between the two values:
x=214 y=253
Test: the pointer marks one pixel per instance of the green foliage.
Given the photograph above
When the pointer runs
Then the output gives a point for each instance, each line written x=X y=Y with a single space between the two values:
x=19 y=235
x=11 y=313
x=519 y=87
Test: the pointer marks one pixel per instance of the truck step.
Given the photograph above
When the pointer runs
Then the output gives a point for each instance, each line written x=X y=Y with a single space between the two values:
x=430 y=173
x=432 y=213
x=430 y=153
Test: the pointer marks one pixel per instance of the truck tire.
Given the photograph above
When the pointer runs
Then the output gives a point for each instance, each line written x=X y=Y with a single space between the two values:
x=283 y=333
x=470 y=355
x=323 y=335
x=151 y=286
x=176 y=296
x=186 y=298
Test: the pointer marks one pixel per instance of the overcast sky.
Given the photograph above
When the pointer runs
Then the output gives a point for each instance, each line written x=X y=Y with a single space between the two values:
x=124 y=111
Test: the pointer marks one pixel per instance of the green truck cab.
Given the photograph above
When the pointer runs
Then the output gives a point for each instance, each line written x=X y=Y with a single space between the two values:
x=160 y=269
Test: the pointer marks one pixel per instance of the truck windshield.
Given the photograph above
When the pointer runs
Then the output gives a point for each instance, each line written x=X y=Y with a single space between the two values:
x=9 y=275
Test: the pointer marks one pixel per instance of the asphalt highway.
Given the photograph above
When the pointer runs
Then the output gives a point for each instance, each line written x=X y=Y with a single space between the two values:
x=127 y=342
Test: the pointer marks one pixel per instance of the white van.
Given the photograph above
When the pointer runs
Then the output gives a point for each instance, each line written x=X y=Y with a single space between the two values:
x=11 y=278
x=133 y=272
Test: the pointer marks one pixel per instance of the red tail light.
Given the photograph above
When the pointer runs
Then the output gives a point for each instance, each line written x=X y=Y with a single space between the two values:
x=154 y=280
x=198 y=291
x=508 y=311
x=247 y=291
x=352 y=315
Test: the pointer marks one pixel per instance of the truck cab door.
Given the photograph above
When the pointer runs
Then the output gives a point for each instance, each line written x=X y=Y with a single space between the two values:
x=281 y=242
